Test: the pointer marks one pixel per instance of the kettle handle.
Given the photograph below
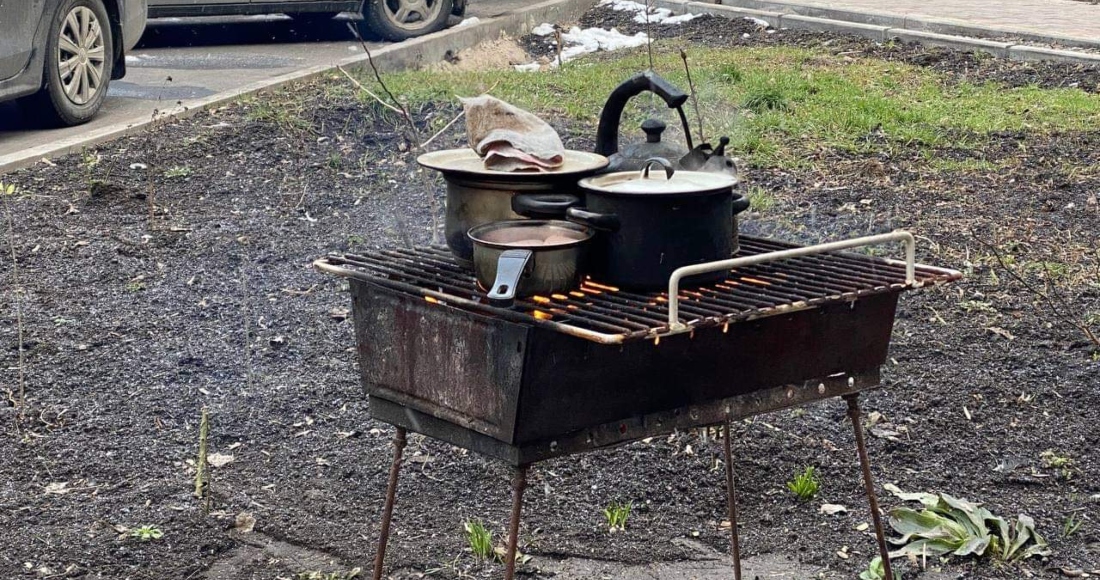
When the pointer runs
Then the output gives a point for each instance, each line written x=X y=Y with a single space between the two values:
x=607 y=133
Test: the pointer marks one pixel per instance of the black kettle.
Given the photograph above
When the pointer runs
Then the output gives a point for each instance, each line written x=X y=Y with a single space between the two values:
x=701 y=158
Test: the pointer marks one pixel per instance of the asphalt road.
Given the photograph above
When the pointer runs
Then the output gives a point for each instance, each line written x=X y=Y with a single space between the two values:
x=181 y=60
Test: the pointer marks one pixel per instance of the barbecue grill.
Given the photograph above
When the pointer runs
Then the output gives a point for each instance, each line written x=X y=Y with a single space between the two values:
x=599 y=366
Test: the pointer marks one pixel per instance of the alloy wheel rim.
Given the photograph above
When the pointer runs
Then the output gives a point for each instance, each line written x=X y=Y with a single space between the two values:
x=81 y=57
x=412 y=14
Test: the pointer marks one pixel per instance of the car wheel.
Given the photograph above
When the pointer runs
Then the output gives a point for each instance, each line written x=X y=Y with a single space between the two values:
x=79 y=61
x=401 y=19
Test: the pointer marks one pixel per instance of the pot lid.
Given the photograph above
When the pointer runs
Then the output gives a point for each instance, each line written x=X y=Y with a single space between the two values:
x=657 y=182
x=466 y=161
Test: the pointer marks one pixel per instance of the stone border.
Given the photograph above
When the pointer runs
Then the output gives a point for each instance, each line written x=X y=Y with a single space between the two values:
x=408 y=54
x=882 y=26
x=946 y=26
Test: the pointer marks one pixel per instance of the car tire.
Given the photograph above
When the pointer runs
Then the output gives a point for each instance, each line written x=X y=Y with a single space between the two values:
x=79 y=62
x=401 y=19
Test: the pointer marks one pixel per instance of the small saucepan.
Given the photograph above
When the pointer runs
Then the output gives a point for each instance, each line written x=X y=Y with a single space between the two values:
x=519 y=258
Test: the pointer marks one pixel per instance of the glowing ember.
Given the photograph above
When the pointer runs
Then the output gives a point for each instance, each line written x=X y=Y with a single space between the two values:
x=542 y=315
x=576 y=294
x=755 y=281
x=559 y=297
x=541 y=299
x=430 y=299
x=601 y=286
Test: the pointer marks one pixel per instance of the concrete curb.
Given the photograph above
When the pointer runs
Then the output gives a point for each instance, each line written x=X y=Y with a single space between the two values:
x=881 y=27
x=946 y=26
x=409 y=54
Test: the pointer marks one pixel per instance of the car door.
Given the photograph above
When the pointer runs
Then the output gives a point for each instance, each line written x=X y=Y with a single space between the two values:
x=19 y=19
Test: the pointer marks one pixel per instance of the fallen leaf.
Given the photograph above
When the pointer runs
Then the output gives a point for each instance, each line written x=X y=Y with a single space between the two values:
x=1001 y=332
x=219 y=459
x=831 y=509
x=244 y=522
x=58 y=488
x=323 y=461
x=863 y=527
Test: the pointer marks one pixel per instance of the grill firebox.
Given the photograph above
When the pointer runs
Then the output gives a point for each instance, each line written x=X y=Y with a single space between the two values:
x=597 y=366
x=543 y=378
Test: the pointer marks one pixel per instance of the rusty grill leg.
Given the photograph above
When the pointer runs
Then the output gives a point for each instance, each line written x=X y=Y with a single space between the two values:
x=391 y=495
x=731 y=502
x=868 y=483
x=518 y=485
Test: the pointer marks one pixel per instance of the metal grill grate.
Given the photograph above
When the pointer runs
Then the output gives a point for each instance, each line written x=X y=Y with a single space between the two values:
x=609 y=315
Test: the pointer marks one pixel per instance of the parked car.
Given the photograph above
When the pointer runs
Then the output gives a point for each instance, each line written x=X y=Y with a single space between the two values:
x=390 y=19
x=60 y=55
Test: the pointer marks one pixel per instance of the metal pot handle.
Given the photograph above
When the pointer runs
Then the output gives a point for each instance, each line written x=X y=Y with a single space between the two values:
x=543 y=205
x=607 y=222
x=740 y=204
x=664 y=163
x=677 y=327
x=511 y=265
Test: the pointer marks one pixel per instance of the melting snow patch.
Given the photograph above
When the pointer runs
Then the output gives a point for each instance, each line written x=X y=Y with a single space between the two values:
x=577 y=42
x=656 y=15
x=468 y=22
x=758 y=21
x=544 y=29
x=529 y=67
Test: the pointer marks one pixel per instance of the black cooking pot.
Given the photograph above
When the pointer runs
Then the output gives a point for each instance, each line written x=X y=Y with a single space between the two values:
x=650 y=225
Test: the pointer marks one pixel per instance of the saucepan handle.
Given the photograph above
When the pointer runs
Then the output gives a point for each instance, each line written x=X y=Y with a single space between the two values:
x=607 y=222
x=511 y=265
x=543 y=205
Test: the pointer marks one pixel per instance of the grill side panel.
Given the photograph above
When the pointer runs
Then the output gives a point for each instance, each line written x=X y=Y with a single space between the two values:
x=571 y=384
x=449 y=363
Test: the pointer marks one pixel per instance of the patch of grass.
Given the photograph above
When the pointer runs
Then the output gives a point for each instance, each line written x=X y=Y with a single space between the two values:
x=805 y=485
x=285 y=108
x=876 y=571
x=616 y=515
x=178 y=171
x=1054 y=460
x=1071 y=526
x=317 y=575
x=760 y=199
x=766 y=99
x=146 y=533
x=795 y=100
x=480 y=539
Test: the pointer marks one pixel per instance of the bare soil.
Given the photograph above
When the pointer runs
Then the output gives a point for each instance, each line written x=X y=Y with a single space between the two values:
x=170 y=271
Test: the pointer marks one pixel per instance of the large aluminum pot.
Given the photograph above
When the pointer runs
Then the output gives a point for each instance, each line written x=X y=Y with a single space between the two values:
x=476 y=195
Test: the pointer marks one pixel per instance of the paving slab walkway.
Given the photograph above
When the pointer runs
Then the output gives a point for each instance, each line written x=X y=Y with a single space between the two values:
x=1072 y=18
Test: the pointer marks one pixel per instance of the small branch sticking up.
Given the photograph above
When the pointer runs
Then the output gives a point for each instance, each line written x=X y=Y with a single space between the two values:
x=557 y=37
x=201 y=466
x=413 y=136
x=694 y=96
x=17 y=294
x=649 y=35
x=1055 y=302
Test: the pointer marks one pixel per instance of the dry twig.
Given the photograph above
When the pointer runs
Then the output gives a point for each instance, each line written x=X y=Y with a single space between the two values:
x=1051 y=297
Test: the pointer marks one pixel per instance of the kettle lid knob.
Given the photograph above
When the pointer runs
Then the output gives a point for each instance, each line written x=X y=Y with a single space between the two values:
x=653 y=129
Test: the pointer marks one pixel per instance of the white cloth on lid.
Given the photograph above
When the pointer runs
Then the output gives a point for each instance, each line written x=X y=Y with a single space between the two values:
x=509 y=138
